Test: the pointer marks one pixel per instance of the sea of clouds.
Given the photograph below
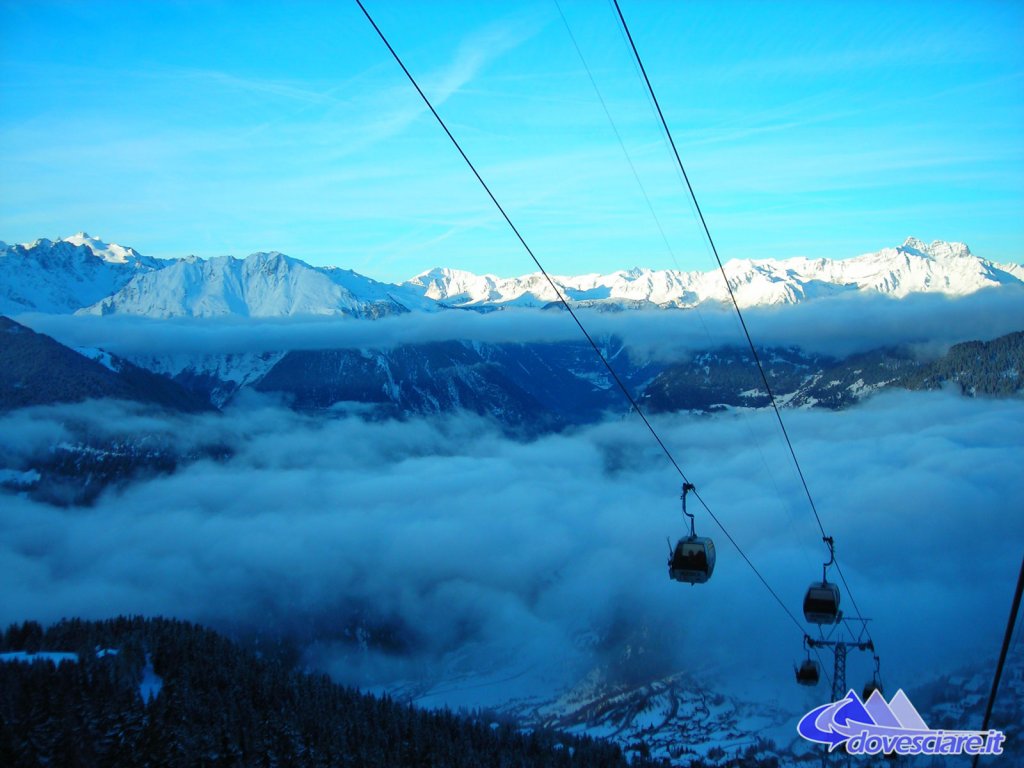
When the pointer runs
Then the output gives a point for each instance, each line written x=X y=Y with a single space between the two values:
x=421 y=553
x=839 y=325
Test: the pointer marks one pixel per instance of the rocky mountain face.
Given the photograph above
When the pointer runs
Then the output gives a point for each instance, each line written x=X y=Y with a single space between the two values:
x=217 y=377
x=439 y=377
x=548 y=386
x=528 y=388
x=535 y=387
x=725 y=378
x=729 y=377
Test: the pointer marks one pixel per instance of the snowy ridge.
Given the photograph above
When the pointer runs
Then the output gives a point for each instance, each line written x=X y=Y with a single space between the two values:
x=111 y=253
x=260 y=285
x=60 y=276
x=83 y=274
x=913 y=267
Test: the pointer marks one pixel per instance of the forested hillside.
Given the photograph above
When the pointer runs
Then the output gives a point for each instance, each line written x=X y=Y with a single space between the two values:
x=980 y=368
x=209 y=703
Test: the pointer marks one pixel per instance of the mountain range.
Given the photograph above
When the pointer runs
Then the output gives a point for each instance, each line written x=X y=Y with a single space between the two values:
x=86 y=275
x=534 y=388
x=913 y=267
x=526 y=388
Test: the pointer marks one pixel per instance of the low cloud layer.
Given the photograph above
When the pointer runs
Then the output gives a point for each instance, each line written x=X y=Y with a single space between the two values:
x=839 y=325
x=401 y=553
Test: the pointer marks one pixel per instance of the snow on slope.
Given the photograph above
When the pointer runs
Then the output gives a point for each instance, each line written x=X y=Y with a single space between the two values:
x=60 y=276
x=30 y=658
x=261 y=285
x=82 y=273
x=101 y=356
x=111 y=253
x=218 y=375
x=913 y=267
x=151 y=683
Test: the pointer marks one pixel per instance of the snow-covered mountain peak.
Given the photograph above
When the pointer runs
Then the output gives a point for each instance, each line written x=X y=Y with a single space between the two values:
x=65 y=274
x=447 y=274
x=453 y=285
x=635 y=272
x=261 y=257
x=913 y=244
x=264 y=284
x=941 y=250
x=109 y=252
x=259 y=262
x=936 y=251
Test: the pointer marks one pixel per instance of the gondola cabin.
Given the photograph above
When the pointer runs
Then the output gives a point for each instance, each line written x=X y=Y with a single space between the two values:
x=693 y=560
x=869 y=689
x=821 y=603
x=808 y=673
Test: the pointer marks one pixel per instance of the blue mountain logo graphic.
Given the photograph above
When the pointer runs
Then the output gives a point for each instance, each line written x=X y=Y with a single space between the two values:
x=878 y=726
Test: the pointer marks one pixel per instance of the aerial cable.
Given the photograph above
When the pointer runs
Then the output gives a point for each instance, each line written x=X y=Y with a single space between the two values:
x=647 y=200
x=622 y=143
x=554 y=286
x=732 y=295
x=1014 y=610
x=650 y=205
x=721 y=267
x=856 y=608
x=625 y=391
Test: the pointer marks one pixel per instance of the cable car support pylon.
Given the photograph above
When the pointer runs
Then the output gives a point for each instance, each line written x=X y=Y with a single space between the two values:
x=840 y=648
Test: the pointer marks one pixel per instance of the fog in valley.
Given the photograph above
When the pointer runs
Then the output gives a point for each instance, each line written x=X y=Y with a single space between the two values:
x=414 y=554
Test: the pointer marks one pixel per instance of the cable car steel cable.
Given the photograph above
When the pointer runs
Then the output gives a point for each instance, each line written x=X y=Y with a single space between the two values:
x=1007 y=637
x=647 y=200
x=618 y=136
x=632 y=401
x=522 y=241
x=732 y=296
x=721 y=267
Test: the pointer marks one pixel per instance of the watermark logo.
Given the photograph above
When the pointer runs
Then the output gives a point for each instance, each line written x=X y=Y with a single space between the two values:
x=877 y=726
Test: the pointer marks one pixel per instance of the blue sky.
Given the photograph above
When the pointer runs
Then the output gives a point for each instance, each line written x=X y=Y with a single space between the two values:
x=818 y=129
